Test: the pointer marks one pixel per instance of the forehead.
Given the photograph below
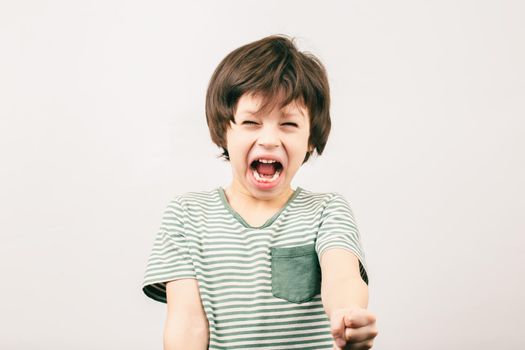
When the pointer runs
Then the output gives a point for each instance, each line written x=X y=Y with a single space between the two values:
x=251 y=104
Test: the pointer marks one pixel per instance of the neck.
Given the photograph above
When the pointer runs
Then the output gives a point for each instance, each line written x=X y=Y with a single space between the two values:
x=241 y=197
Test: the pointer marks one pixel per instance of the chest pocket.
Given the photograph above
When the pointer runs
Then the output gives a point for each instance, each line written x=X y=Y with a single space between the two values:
x=296 y=274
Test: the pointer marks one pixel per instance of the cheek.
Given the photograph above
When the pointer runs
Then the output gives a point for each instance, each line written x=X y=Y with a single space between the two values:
x=237 y=148
x=301 y=143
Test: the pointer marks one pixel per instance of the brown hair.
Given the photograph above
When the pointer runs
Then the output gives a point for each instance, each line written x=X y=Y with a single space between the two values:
x=273 y=68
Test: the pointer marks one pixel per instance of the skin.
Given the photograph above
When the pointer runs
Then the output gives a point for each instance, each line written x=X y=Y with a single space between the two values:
x=285 y=133
x=186 y=325
x=345 y=295
x=345 y=299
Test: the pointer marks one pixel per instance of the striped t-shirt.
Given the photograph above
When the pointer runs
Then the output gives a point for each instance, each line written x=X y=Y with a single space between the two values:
x=260 y=286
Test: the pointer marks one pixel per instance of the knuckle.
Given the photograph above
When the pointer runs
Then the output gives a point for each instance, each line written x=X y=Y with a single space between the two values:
x=374 y=332
x=349 y=334
x=336 y=331
x=369 y=344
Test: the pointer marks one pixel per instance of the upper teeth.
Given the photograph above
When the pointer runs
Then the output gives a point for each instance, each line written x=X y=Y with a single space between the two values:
x=266 y=160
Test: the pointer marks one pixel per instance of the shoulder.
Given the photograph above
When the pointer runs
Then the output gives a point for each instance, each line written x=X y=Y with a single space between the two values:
x=323 y=199
x=323 y=203
x=195 y=200
x=194 y=197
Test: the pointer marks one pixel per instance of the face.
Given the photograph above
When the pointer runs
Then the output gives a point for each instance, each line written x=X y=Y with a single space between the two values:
x=267 y=149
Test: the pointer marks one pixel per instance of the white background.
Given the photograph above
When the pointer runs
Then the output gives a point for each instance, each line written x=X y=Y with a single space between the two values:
x=102 y=122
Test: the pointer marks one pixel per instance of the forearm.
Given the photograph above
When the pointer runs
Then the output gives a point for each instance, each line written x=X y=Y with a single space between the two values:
x=346 y=293
x=183 y=335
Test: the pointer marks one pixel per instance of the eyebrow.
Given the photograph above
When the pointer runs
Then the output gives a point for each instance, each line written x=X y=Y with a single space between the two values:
x=285 y=114
x=298 y=114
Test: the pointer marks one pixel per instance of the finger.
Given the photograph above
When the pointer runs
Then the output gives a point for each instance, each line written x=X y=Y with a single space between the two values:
x=337 y=329
x=364 y=345
x=356 y=335
x=335 y=347
x=359 y=318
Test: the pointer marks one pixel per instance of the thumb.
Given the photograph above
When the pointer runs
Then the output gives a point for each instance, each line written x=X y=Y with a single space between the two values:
x=337 y=328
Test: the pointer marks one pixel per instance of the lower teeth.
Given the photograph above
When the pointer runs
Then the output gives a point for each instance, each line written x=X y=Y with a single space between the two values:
x=266 y=179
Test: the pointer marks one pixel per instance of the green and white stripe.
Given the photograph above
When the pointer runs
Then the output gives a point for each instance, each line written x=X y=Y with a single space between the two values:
x=202 y=237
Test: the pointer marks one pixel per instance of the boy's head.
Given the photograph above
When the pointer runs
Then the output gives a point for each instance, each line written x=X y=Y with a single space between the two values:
x=274 y=69
x=267 y=107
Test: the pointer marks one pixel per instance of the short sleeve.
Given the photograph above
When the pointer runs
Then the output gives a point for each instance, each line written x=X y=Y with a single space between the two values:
x=169 y=258
x=338 y=229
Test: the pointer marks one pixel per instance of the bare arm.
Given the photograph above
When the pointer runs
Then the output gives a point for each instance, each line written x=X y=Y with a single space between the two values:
x=186 y=324
x=342 y=286
x=345 y=299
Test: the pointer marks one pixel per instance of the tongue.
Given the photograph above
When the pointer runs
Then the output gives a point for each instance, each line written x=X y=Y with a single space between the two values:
x=265 y=169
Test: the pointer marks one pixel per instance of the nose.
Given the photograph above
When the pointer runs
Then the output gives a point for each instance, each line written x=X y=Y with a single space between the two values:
x=268 y=138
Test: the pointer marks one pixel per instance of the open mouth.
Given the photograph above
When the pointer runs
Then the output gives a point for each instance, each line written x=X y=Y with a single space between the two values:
x=266 y=170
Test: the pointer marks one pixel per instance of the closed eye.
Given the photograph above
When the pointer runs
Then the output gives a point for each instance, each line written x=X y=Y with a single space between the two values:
x=251 y=122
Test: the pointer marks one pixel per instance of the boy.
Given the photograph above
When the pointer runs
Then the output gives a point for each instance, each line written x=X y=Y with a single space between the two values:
x=241 y=267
